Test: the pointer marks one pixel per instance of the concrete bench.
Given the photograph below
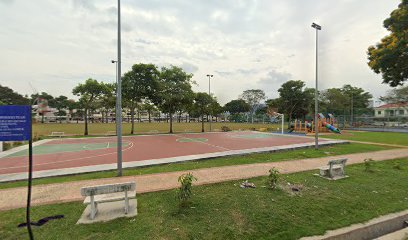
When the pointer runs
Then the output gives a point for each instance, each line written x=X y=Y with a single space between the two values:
x=334 y=169
x=110 y=133
x=108 y=193
x=57 y=134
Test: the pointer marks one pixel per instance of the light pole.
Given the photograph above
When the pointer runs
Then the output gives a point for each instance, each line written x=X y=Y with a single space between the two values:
x=116 y=82
x=316 y=120
x=209 y=93
x=119 y=101
x=116 y=63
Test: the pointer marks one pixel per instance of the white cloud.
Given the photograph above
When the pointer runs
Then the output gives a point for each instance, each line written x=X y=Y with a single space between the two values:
x=246 y=44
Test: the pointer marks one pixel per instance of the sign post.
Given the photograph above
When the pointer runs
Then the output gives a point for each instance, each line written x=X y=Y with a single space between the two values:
x=15 y=125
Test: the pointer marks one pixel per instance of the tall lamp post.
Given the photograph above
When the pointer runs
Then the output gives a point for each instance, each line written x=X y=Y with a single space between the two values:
x=116 y=82
x=316 y=120
x=209 y=93
x=119 y=102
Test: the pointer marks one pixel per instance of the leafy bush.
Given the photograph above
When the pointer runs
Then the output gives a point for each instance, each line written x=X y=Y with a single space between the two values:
x=369 y=165
x=186 y=184
x=273 y=178
x=225 y=129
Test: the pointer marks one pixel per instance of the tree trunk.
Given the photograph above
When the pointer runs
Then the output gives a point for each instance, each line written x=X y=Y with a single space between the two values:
x=132 y=113
x=86 y=122
x=202 y=123
x=103 y=117
x=149 y=112
x=171 y=123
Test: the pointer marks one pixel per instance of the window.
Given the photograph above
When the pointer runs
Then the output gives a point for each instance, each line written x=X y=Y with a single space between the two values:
x=401 y=112
x=379 y=112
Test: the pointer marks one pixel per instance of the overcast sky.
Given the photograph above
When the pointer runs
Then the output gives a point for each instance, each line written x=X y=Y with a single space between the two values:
x=52 y=45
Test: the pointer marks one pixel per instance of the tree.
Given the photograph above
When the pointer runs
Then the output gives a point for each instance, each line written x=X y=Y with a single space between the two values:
x=61 y=103
x=202 y=105
x=390 y=56
x=216 y=109
x=9 y=97
x=396 y=95
x=149 y=107
x=294 y=99
x=107 y=101
x=358 y=99
x=45 y=96
x=235 y=108
x=253 y=97
x=174 y=91
x=89 y=92
x=139 y=84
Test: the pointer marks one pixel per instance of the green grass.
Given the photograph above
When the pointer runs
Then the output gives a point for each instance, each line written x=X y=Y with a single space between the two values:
x=225 y=211
x=102 y=128
x=376 y=137
x=215 y=162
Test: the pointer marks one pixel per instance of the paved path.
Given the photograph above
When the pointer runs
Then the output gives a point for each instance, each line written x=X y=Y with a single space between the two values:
x=70 y=191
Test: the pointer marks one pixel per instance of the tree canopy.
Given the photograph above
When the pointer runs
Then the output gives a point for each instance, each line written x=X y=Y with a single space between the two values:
x=9 y=97
x=390 y=56
x=174 y=91
x=253 y=97
x=396 y=95
x=202 y=106
x=139 y=85
x=89 y=92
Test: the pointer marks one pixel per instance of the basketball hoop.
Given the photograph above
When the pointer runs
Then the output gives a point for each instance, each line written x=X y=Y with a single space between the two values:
x=42 y=106
x=273 y=112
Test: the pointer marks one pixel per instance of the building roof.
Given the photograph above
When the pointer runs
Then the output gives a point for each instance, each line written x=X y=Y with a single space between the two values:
x=392 y=105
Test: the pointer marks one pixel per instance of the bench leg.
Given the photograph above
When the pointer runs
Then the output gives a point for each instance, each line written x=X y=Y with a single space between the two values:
x=126 y=203
x=94 y=208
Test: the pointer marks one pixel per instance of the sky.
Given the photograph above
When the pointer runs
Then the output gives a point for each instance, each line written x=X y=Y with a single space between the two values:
x=53 y=45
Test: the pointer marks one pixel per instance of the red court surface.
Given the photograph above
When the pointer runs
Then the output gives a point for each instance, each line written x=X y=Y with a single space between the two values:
x=69 y=153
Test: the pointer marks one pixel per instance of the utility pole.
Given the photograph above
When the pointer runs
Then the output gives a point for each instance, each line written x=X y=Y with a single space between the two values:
x=119 y=101
x=316 y=119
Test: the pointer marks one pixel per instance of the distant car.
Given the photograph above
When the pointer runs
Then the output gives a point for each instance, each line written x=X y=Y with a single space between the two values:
x=403 y=125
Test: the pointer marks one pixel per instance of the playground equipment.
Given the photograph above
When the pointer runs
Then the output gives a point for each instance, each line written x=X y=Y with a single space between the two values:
x=324 y=124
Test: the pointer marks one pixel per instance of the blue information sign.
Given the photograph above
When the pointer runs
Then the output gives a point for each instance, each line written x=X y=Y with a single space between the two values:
x=15 y=123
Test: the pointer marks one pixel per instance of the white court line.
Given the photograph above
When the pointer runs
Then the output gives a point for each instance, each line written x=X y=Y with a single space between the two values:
x=70 y=160
x=209 y=144
x=107 y=146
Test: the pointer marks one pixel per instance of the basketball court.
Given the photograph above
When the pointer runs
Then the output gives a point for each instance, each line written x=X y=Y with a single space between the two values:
x=76 y=155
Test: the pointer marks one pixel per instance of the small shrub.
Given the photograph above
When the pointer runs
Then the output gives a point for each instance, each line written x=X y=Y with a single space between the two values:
x=252 y=129
x=225 y=129
x=273 y=178
x=369 y=165
x=7 y=146
x=186 y=184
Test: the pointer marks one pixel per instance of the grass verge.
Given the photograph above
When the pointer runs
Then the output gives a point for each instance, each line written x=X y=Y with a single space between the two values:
x=225 y=211
x=375 y=137
x=215 y=162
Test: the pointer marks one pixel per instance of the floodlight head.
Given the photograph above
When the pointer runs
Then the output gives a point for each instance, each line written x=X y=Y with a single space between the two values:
x=210 y=75
x=113 y=61
x=318 y=27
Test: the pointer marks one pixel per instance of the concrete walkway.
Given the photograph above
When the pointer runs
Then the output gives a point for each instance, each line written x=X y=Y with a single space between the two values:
x=70 y=191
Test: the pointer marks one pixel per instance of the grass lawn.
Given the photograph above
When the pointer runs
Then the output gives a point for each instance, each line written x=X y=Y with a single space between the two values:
x=377 y=137
x=225 y=211
x=215 y=162
x=102 y=128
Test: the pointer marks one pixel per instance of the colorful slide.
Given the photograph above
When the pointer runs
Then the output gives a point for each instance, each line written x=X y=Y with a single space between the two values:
x=331 y=128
